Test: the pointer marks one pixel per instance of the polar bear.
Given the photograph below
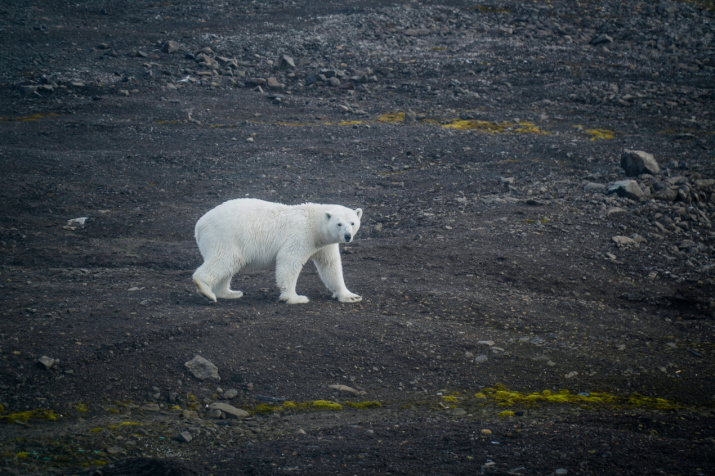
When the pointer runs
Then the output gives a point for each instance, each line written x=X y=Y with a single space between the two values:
x=249 y=234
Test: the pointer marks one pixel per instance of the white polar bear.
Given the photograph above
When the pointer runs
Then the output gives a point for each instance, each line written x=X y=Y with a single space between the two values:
x=253 y=234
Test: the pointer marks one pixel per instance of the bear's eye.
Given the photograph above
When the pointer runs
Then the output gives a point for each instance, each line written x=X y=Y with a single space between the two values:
x=340 y=224
x=352 y=223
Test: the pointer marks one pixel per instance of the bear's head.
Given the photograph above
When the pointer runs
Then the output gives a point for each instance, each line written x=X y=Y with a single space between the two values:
x=341 y=224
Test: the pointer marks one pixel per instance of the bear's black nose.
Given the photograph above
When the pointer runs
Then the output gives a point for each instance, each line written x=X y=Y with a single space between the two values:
x=348 y=238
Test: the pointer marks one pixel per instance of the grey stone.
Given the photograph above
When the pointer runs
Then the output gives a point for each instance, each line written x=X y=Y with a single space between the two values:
x=417 y=32
x=274 y=84
x=480 y=359
x=184 y=437
x=47 y=362
x=171 y=47
x=286 y=62
x=501 y=31
x=594 y=187
x=637 y=162
x=626 y=188
x=230 y=393
x=703 y=183
x=536 y=340
x=256 y=81
x=623 y=241
x=668 y=194
x=203 y=369
x=638 y=238
x=601 y=39
x=229 y=410
x=347 y=390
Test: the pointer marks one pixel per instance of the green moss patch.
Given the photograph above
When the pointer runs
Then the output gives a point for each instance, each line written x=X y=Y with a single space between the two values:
x=505 y=397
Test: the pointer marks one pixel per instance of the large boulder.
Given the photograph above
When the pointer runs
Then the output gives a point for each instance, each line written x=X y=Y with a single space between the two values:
x=637 y=162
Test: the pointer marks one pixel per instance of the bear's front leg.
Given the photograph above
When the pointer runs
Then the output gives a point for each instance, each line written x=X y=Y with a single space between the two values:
x=330 y=269
x=287 y=272
x=347 y=297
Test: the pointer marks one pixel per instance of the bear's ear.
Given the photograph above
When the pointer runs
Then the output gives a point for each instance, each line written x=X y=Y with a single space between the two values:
x=358 y=212
x=328 y=216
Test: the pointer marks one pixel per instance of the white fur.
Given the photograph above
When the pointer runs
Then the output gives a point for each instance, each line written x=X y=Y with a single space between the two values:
x=253 y=234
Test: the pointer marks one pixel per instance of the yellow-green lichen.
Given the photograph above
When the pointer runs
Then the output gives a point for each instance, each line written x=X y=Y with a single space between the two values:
x=30 y=118
x=597 y=134
x=24 y=417
x=267 y=409
x=363 y=405
x=489 y=127
x=524 y=127
x=476 y=125
x=486 y=9
x=504 y=397
x=326 y=405
x=392 y=118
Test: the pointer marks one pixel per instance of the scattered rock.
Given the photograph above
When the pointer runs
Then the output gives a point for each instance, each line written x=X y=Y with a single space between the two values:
x=623 y=241
x=47 y=362
x=229 y=410
x=346 y=389
x=274 y=84
x=256 y=81
x=417 y=32
x=286 y=62
x=637 y=162
x=184 y=437
x=116 y=450
x=601 y=40
x=203 y=369
x=171 y=47
x=594 y=187
x=76 y=222
x=626 y=188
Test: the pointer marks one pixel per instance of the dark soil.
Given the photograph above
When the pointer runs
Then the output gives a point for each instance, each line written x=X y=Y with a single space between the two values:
x=502 y=329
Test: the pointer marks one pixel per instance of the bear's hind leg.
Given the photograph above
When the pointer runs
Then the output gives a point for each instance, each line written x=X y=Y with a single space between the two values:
x=203 y=286
x=214 y=277
x=224 y=291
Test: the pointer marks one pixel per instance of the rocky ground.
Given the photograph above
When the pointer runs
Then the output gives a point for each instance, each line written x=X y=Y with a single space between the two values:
x=537 y=299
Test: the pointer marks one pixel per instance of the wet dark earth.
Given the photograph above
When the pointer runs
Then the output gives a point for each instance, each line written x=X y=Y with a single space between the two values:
x=536 y=298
